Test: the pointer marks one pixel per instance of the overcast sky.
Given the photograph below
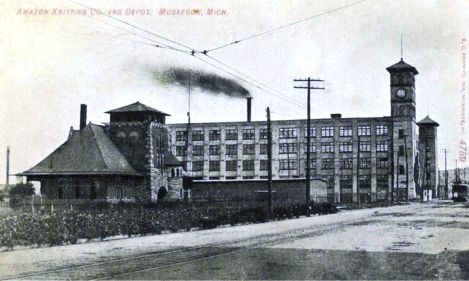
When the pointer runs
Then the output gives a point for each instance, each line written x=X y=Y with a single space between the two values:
x=50 y=64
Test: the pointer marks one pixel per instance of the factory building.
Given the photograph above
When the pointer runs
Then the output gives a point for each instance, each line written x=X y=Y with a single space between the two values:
x=362 y=159
x=138 y=157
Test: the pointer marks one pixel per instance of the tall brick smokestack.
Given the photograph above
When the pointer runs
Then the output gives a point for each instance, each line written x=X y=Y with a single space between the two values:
x=248 y=100
x=82 y=116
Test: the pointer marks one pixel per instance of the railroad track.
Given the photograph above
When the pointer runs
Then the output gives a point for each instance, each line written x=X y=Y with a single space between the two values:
x=118 y=268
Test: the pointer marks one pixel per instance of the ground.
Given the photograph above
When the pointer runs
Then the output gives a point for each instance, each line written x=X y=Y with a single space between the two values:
x=416 y=241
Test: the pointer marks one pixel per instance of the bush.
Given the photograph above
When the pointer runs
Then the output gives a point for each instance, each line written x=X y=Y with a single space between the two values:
x=106 y=220
x=19 y=192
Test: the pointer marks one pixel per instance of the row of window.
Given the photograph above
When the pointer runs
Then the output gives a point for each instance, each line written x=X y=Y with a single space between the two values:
x=284 y=133
x=291 y=164
x=364 y=181
x=283 y=148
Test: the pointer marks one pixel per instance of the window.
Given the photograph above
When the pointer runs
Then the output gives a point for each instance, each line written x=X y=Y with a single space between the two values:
x=401 y=133
x=327 y=147
x=288 y=133
x=288 y=164
x=263 y=133
x=264 y=165
x=312 y=163
x=197 y=135
x=365 y=163
x=345 y=147
x=231 y=149
x=263 y=148
x=401 y=169
x=198 y=150
x=346 y=181
x=401 y=150
x=327 y=163
x=231 y=134
x=248 y=134
x=181 y=150
x=382 y=163
x=345 y=131
x=346 y=163
x=364 y=181
x=214 y=135
x=312 y=148
x=197 y=166
x=181 y=135
x=249 y=149
x=381 y=130
x=365 y=146
x=214 y=165
x=327 y=132
x=364 y=130
x=312 y=132
x=214 y=150
x=382 y=181
x=286 y=148
x=248 y=165
x=231 y=165
x=382 y=146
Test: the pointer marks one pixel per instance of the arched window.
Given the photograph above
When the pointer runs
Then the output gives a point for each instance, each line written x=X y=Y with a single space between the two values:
x=172 y=173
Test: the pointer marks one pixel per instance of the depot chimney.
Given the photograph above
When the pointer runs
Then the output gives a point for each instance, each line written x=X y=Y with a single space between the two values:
x=82 y=116
x=248 y=99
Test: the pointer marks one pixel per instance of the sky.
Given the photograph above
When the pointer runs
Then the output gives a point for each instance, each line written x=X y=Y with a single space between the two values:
x=51 y=63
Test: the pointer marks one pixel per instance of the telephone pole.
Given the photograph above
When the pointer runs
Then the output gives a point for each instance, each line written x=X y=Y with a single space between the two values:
x=8 y=169
x=309 y=87
x=269 y=163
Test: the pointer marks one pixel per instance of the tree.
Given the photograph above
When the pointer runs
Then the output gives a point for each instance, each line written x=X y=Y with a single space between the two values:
x=20 y=191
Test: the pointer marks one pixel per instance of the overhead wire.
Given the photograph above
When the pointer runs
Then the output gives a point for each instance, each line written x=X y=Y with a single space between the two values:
x=282 y=27
x=134 y=26
x=194 y=53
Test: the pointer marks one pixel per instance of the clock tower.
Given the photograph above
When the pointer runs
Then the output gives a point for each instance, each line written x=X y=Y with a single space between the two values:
x=402 y=89
x=404 y=131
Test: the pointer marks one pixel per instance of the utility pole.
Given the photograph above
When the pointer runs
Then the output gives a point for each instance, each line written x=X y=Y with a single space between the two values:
x=269 y=163
x=358 y=173
x=446 y=178
x=8 y=169
x=309 y=87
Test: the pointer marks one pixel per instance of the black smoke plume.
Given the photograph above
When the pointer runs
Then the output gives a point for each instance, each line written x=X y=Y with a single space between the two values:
x=204 y=81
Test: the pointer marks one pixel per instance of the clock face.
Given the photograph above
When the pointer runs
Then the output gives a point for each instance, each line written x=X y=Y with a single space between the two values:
x=401 y=93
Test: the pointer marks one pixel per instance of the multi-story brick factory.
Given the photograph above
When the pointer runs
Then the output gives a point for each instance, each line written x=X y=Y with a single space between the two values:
x=360 y=159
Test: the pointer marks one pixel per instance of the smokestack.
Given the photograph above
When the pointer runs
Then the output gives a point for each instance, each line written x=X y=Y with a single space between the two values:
x=82 y=116
x=248 y=99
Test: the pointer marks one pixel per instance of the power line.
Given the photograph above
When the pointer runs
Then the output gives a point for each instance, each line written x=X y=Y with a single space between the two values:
x=158 y=44
x=283 y=26
x=135 y=26
x=192 y=53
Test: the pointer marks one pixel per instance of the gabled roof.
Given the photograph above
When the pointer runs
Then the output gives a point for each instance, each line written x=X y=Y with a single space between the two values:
x=402 y=66
x=86 y=152
x=136 y=107
x=428 y=121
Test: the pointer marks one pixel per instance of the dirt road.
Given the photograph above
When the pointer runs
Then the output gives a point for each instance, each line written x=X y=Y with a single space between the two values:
x=417 y=241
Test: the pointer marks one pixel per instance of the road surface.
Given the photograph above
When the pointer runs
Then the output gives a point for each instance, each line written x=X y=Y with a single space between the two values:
x=416 y=241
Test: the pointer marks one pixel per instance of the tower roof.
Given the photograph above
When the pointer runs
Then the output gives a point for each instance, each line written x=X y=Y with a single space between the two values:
x=136 y=107
x=428 y=121
x=402 y=66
